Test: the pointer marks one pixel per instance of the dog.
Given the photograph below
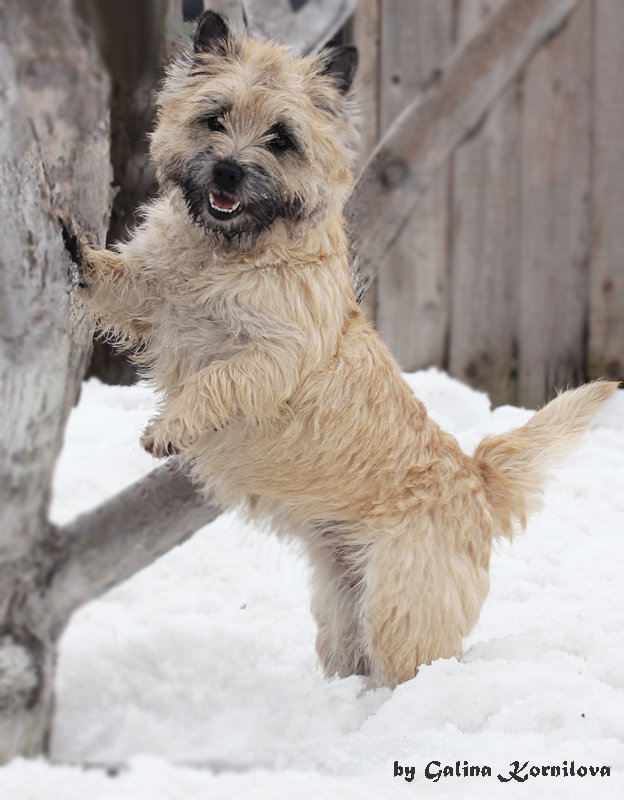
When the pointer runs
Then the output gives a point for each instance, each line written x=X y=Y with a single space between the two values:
x=234 y=295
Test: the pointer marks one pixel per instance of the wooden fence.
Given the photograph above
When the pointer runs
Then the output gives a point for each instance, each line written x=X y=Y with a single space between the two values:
x=510 y=272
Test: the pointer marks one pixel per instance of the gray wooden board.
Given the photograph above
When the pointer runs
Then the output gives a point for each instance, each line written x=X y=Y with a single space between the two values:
x=363 y=32
x=556 y=160
x=484 y=250
x=412 y=297
x=606 y=316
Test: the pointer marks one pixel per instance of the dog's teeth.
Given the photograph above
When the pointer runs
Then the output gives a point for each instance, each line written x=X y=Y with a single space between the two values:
x=215 y=205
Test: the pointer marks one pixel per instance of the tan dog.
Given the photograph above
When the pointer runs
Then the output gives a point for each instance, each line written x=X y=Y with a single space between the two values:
x=280 y=395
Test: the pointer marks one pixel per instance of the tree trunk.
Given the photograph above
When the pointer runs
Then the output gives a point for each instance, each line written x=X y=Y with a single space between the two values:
x=54 y=143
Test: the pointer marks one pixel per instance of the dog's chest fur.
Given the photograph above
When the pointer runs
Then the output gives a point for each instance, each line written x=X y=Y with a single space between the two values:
x=196 y=325
x=203 y=330
x=201 y=308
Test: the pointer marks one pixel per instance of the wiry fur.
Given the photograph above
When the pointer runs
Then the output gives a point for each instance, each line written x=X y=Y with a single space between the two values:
x=278 y=392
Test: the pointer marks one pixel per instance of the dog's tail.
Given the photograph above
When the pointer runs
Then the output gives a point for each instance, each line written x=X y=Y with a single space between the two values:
x=515 y=465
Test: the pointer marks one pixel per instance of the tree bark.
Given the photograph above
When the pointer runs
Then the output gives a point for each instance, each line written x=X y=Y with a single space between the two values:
x=54 y=145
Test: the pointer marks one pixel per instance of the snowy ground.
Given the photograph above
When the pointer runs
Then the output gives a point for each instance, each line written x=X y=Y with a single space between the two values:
x=199 y=674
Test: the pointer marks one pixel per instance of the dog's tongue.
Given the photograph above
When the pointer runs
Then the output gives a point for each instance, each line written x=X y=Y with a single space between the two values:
x=224 y=201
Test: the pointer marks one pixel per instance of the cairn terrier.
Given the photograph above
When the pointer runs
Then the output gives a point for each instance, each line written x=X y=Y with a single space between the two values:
x=234 y=294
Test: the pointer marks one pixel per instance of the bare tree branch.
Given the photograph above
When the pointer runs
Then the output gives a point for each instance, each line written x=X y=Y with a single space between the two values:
x=104 y=547
x=428 y=130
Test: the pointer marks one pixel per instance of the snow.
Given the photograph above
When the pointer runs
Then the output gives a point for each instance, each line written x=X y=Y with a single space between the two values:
x=198 y=677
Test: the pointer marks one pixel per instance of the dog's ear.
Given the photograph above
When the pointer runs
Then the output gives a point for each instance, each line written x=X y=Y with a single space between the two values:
x=340 y=63
x=211 y=34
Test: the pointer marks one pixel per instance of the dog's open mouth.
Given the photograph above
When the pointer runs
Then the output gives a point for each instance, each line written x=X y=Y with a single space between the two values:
x=223 y=205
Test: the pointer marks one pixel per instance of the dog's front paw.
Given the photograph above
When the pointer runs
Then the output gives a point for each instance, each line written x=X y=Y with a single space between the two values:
x=160 y=441
x=157 y=445
x=85 y=259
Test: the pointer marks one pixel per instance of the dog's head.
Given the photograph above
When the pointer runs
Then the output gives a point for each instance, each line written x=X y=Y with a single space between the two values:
x=250 y=135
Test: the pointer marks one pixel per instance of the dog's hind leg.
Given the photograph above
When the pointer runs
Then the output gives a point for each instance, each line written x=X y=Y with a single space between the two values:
x=418 y=602
x=336 y=605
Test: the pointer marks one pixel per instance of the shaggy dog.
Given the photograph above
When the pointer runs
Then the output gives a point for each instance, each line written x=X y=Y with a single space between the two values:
x=234 y=294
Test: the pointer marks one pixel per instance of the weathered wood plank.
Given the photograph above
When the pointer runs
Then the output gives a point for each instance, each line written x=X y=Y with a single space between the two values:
x=606 y=315
x=364 y=32
x=434 y=123
x=484 y=251
x=556 y=156
x=412 y=297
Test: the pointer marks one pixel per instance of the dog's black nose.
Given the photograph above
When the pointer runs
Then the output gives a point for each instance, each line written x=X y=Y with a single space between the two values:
x=227 y=175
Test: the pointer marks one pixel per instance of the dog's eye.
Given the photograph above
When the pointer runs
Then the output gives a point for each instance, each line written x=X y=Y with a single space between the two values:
x=214 y=124
x=281 y=142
